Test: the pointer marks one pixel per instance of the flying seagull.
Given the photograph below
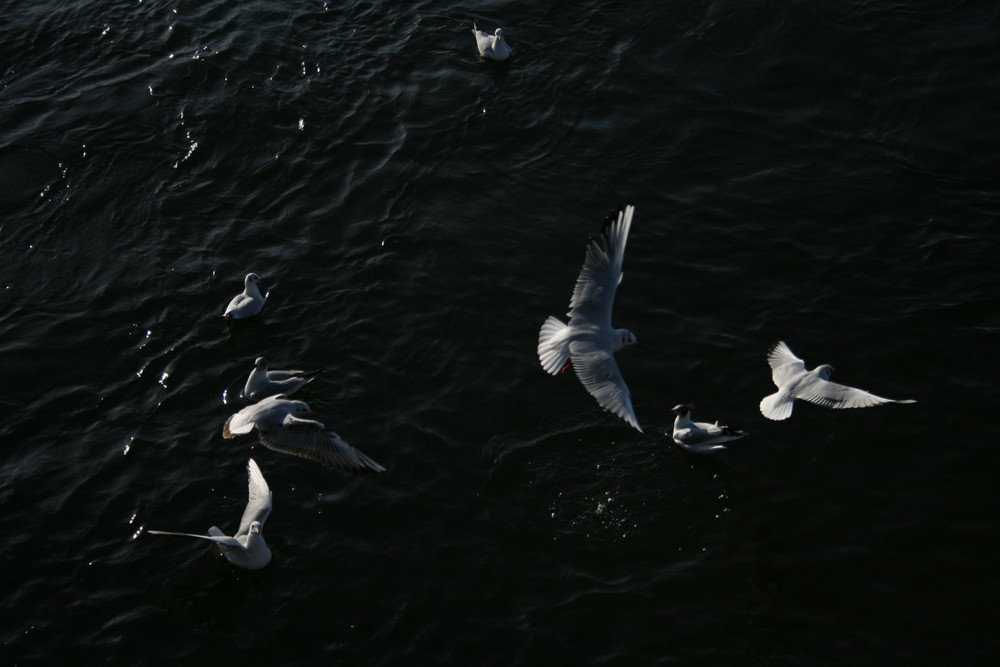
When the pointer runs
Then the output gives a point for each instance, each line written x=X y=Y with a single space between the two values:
x=287 y=426
x=246 y=548
x=589 y=342
x=794 y=381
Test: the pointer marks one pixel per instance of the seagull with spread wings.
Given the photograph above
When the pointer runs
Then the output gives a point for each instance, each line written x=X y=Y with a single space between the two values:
x=589 y=342
x=247 y=548
x=794 y=381
x=288 y=427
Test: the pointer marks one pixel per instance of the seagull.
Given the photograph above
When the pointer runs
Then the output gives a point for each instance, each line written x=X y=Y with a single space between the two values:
x=588 y=342
x=794 y=381
x=247 y=548
x=286 y=426
x=263 y=382
x=491 y=47
x=700 y=437
x=249 y=302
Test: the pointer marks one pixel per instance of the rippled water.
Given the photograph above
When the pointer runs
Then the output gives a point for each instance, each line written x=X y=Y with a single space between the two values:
x=823 y=174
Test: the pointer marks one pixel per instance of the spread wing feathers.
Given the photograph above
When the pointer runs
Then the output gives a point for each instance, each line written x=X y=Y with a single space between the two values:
x=784 y=364
x=218 y=539
x=834 y=395
x=260 y=499
x=594 y=293
x=553 y=345
x=321 y=445
x=599 y=373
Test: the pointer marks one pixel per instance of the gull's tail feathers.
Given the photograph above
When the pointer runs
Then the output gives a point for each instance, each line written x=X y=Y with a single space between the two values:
x=553 y=345
x=777 y=406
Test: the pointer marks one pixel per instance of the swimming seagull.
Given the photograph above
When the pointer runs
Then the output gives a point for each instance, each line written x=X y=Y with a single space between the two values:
x=794 y=381
x=263 y=382
x=588 y=342
x=249 y=302
x=701 y=437
x=285 y=426
x=491 y=47
x=246 y=548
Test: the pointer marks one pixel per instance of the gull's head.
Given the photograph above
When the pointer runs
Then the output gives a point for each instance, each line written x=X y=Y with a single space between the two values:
x=301 y=409
x=253 y=279
x=626 y=338
x=683 y=409
x=255 y=528
x=260 y=364
x=825 y=371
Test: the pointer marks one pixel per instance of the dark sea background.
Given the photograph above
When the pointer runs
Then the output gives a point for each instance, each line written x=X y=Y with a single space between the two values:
x=824 y=173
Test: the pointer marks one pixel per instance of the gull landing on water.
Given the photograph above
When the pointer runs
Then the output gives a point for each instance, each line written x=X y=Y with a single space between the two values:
x=263 y=382
x=794 y=381
x=246 y=548
x=491 y=47
x=287 y=426
x=249 y=302
x=588 y=342
x=701 y=437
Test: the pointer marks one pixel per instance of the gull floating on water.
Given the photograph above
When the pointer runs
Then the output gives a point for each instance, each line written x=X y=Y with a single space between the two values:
x=286 y=426
x=589 y=342
x=794 y=381
x=249 y=302
x=701 y=437
x=491 y=47
x=247 y=548
x=263 y=382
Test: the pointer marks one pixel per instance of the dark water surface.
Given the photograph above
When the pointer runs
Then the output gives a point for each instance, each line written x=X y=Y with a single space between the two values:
x=822 y=173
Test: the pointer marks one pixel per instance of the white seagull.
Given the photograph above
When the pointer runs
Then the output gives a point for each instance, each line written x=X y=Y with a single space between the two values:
x=247 y=303
x=285 y=426
x=701 y=437
x=491 y=47
x=247 y=548
x=794 y=381
x=263 y=382
x=588 y=341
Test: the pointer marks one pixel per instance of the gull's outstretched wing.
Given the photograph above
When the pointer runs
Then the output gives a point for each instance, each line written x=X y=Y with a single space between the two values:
x=594 y=293
x=834 y=395
x=595 y=366
x=218 y=539
x=319 y=444
x=259 y=502
x=784 y=365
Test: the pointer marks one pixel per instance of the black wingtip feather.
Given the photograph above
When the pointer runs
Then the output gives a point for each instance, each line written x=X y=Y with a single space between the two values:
x=615 y=214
